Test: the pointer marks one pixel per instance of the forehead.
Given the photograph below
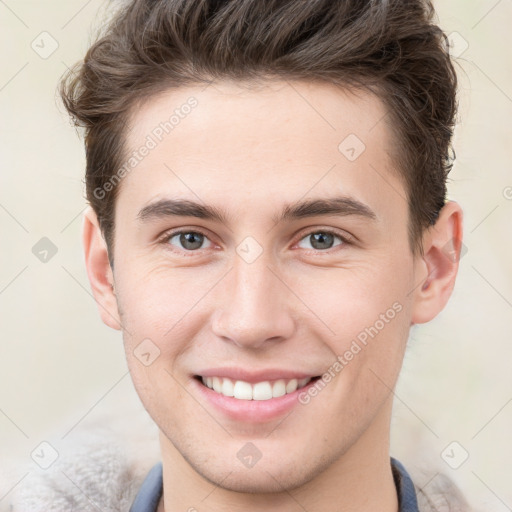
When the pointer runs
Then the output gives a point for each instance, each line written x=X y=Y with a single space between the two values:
x=264 y=142
x=234 y=107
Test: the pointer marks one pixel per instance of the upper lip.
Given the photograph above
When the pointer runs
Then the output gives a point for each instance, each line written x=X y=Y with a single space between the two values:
x=253 y=376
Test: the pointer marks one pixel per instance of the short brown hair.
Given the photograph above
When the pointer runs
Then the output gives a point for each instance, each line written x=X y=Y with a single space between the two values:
x=392 y=48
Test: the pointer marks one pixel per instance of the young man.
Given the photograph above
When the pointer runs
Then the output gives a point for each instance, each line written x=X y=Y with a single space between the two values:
x=268 y=219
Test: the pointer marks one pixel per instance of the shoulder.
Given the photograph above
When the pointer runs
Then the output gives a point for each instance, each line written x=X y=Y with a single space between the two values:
x=441 y=494
x=98 y=467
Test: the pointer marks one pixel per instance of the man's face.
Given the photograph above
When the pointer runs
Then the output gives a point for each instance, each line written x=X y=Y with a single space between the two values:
x=255 y=292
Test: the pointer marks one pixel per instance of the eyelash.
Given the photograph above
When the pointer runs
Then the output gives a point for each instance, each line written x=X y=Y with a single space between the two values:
x=345 y=239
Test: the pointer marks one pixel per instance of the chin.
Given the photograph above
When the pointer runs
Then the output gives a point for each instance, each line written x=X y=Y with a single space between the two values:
x=278 y=472
x=261 y=479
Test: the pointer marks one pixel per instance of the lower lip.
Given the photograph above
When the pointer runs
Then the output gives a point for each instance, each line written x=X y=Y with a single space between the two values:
x=254 y=411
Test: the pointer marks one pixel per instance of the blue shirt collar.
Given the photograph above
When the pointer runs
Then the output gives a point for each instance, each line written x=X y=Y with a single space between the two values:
x=407 y=501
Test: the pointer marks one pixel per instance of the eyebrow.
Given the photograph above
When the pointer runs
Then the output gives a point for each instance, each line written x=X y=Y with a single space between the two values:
x=338 y=206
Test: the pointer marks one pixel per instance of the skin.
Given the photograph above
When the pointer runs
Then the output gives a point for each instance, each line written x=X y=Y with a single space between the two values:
x=251 y=152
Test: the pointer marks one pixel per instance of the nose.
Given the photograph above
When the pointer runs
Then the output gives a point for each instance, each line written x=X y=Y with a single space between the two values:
x=254 y=307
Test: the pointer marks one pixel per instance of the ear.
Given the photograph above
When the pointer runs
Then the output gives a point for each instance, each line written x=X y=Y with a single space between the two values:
x=99 y=271
x=438 y=267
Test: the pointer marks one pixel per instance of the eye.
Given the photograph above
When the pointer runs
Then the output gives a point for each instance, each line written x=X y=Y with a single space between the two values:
x=192 y=241
x=188 y=241
x=323 y=240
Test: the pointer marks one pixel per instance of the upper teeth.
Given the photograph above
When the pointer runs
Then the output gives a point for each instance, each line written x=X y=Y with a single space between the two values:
x=260 y=391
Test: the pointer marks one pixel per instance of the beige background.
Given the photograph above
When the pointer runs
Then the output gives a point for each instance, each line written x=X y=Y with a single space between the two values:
x=61 y=367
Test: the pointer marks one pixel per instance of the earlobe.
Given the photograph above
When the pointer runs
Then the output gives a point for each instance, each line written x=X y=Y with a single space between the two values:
x=98 y=269
x=439 y=265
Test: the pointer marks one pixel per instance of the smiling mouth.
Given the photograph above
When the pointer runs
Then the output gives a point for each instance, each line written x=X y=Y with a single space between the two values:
x=264 y=390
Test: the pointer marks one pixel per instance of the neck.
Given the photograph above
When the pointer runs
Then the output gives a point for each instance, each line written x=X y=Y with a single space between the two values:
x=360 y=480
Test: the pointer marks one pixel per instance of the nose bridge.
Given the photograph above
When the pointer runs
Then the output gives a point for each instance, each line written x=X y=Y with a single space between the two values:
x=253 y=283
x=254 y=308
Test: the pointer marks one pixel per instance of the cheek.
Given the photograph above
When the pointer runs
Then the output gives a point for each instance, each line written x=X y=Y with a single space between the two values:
x=155 y=301
x=365 y=316
x=352 y=302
